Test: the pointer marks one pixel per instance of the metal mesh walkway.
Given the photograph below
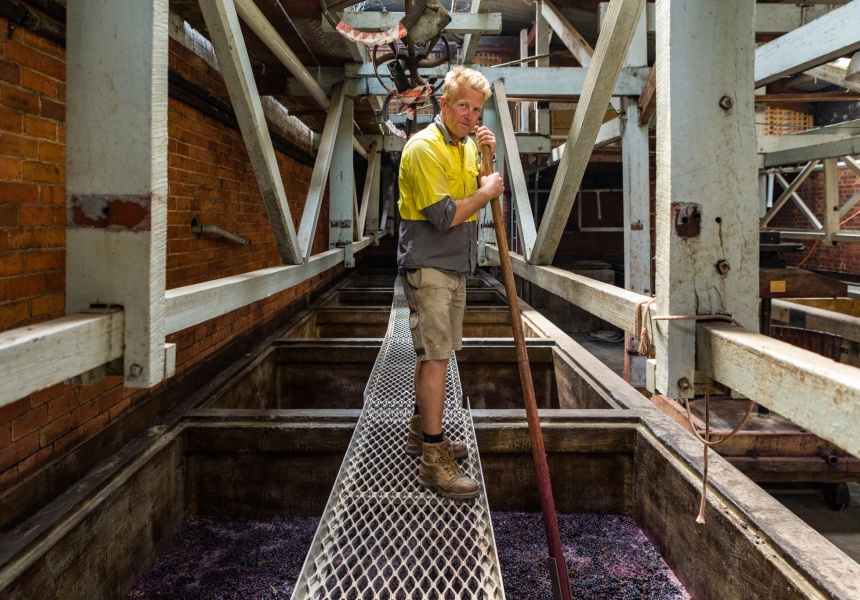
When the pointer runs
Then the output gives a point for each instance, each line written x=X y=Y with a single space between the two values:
x=384 y=536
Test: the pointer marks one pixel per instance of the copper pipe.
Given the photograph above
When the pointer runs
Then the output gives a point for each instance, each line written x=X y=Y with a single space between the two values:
x=547 y=503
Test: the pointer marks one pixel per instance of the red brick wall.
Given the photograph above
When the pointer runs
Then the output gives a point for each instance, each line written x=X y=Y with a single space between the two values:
x=210 y=177
x=840 y=258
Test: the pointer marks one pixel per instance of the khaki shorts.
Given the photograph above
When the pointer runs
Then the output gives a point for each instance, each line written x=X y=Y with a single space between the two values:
x=437 y=301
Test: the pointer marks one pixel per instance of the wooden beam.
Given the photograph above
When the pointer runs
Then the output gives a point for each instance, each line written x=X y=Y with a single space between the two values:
x=647 y=104
x=834 y=74
x=116 y=174
x=38 y=356
x=570 y=37
x=819 y=317
x=847 y=147
x=530 y=83
x=831 y=36
x=621 y=22
x=227 y=38
x=703 y=247
x=194 y=304
x=519 y=187
x=469 y=47
x=613 y=304
x=808 y=97
x=341 y=181
x=461 y=23
x=814 y=392
x=313 y=204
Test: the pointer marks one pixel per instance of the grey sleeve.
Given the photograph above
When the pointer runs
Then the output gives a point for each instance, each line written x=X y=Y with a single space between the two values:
x=441 y=214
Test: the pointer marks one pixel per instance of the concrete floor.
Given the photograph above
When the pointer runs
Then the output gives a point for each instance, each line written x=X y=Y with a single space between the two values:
x=842 y=528
x=609 y=353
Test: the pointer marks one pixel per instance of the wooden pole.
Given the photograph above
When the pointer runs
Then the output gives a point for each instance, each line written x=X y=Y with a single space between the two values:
x=561 y=583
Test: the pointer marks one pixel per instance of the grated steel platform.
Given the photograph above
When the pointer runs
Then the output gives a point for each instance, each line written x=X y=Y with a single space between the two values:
x=384 y=536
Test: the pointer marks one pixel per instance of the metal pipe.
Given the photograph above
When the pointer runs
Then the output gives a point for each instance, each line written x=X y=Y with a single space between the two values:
x=215 y=230
x=259 y=24
x=558 y=570
x=18 y=14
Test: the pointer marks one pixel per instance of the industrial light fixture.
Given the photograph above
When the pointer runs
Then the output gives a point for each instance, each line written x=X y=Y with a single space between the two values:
x=853 y=73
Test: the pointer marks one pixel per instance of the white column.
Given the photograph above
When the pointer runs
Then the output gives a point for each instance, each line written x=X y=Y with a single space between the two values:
x=116 y=190
x=637 y=205
x=707 y=226
x=524 y=106
x=831 y=199
x=542 y=36
x=341 y=181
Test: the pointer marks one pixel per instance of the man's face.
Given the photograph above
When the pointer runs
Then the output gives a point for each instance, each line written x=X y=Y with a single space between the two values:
x=461 y=114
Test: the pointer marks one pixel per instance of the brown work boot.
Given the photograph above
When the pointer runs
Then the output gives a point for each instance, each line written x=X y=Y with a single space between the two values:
x=415 y=441
x=439 y=471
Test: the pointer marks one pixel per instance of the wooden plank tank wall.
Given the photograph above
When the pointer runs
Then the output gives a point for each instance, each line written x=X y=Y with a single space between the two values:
x=626 y=457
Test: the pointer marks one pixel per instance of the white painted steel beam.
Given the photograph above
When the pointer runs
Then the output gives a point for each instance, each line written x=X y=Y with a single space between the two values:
x=194 y=304
x=341 y=182
x=831 y=199
x=831 y=36
x=486 y=227
x=635 y=164
x=259 y=24
x=846 y=147
x=770 y=144
x=801 y=205
x=852 y=201
x=461 y=23
x=834 y=74
x=116 y=186
x=529 y=83
x=519 y=186
x=523 y=108
x=226 y=36
x=769 y=18
x=790 y=189
x=707 y=245
x=543 y=33
x=568 y=34
x=316 y=190
x=38 y=356
x=635 y=153
x=469 y=47
x=621 y=22
x=609 y=133
x=368 y=197
x=532 y=143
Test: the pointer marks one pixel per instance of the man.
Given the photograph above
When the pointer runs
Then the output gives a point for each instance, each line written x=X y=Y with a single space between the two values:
x=440 y=195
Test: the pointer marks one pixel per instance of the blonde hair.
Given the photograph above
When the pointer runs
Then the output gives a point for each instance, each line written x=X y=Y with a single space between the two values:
x=463 y=76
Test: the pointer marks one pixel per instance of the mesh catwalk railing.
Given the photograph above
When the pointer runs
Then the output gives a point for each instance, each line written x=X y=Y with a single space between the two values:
x=384 y=536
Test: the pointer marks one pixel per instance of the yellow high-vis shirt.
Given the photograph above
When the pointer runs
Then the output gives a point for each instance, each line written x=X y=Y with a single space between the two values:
x=432 y=169
x=433 y=174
